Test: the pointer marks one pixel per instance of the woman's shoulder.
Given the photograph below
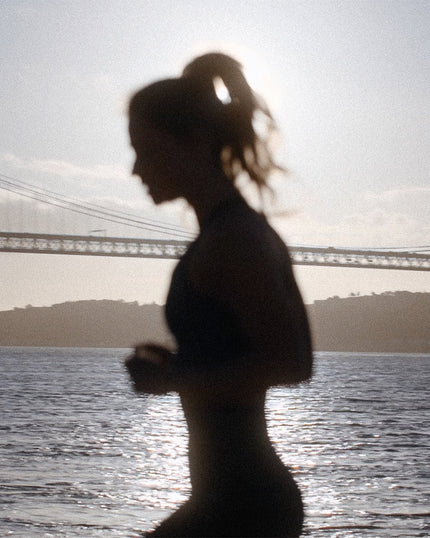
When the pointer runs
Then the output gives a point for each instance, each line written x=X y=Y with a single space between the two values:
x=239 y=238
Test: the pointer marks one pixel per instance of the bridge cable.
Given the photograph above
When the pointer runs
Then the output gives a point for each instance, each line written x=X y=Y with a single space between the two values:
x=69 y=199
x=92 y=210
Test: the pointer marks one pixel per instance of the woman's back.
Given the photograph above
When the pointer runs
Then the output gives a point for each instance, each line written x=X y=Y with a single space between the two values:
x=239 y=485
x=233 y=299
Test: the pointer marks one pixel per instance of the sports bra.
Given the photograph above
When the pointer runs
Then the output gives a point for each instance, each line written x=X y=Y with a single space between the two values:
x=205 y=330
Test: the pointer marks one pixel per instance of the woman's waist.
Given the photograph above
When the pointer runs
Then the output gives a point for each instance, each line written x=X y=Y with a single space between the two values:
x=244 y=464
x=231 y=410
x=225 y=431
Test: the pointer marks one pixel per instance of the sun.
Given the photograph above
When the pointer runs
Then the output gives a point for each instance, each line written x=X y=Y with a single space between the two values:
x=254 y=66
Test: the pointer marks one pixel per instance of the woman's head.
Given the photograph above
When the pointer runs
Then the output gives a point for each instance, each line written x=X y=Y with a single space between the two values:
x=211 y=102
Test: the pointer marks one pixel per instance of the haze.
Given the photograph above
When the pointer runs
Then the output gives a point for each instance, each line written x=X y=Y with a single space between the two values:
x=348 y=84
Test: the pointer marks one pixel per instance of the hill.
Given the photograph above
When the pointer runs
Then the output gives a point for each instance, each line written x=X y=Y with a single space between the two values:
x=84 y=324
x=391 y=322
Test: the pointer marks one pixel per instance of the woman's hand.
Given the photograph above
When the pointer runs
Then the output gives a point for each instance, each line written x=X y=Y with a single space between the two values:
x=151 y=369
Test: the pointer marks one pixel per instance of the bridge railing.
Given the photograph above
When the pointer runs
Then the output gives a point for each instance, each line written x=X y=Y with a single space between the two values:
x=359 y=258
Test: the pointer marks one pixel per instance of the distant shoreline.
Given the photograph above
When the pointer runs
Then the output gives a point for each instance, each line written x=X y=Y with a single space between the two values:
x=320 y=352
x=392 y=322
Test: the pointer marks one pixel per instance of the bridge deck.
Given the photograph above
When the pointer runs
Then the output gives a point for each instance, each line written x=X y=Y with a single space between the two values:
x=171 y=249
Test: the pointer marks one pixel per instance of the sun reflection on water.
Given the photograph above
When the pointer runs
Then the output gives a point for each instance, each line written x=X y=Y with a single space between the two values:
x=95 y=460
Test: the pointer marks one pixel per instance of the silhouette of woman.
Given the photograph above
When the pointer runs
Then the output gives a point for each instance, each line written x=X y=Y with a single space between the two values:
x=233 y=305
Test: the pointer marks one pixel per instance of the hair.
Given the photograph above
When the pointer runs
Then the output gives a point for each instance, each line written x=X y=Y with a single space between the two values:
x=190 y=104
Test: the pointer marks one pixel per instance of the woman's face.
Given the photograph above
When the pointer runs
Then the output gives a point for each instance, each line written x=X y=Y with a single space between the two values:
x=159 y=160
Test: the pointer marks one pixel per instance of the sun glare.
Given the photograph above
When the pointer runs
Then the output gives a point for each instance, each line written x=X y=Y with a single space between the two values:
x=255 y=68
x=259 y=77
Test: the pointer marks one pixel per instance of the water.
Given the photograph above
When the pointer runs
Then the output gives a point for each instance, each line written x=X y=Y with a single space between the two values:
x=82 y=456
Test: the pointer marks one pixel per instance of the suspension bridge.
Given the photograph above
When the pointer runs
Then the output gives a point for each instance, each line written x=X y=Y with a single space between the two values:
x=412 y=259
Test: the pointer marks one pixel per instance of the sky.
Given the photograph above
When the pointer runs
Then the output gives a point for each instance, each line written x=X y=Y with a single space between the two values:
x=347 y=82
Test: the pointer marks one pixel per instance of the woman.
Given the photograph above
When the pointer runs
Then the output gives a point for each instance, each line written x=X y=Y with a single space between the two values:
x=233 y=305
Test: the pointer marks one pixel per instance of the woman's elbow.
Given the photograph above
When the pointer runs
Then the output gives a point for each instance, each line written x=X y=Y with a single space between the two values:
x=303 y=360
x=292 y=368
x=306 y=368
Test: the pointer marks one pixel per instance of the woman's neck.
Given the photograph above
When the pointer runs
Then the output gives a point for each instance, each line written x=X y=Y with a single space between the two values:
x=209 y=192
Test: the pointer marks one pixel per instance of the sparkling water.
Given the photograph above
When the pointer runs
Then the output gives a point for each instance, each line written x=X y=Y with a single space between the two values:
x=82 y=455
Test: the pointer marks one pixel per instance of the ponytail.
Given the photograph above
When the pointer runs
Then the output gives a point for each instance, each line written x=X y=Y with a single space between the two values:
x=213 y=96
x=241 y=148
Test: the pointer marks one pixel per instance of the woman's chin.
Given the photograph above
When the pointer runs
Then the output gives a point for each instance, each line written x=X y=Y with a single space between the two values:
x=159 y=199
x=155 y=198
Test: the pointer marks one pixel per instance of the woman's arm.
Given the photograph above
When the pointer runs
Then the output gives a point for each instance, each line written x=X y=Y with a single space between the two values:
x=249 y=272
x=251 y=276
